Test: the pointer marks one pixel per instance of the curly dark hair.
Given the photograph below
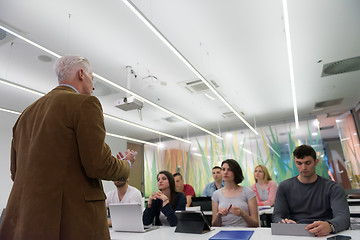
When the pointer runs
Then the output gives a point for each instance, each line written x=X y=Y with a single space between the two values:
x=304 y=150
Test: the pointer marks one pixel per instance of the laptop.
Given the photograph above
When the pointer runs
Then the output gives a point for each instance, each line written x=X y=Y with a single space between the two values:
x=204 y=202
x=127 y=217
x=291 y=229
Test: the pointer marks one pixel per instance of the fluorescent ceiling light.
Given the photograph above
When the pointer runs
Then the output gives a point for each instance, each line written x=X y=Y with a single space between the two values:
x=21 y=87
x=29 y=41
x=131 y=139
x=105 y=115
x=147 y=22
x=277 y=154
x=145 y=128
x=155 y=105
x=210 y=97
x=10 y=111
x=110 y=134
x=116 y=85
x=250 y=152
x=316 y=123
x=291 y=67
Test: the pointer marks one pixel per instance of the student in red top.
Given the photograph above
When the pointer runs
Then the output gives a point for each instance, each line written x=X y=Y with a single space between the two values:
x=264 y=187
x=187 y=189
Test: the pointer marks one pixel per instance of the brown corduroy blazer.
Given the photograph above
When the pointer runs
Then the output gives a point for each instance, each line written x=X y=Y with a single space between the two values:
x=58 y=156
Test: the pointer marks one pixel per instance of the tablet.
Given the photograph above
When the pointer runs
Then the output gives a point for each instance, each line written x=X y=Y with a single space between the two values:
x=291 y=229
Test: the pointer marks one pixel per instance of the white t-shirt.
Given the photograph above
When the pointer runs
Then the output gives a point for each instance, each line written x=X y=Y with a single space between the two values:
x=132 y=195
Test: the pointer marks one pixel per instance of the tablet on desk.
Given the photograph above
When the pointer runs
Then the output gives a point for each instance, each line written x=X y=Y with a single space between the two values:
x=192 y=222
x=291 y=229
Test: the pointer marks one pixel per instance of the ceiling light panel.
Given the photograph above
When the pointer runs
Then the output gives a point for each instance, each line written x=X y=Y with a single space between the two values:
x=114 y=84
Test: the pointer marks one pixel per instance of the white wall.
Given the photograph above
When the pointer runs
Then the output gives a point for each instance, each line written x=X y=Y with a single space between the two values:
x=116 y=145
x=7 y=120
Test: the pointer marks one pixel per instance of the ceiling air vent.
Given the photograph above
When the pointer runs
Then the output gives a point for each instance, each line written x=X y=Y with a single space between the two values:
x=228 y=115
x=326 y=128
x=342 y=66
x=334 y=114
x=5 y=37
x=197 y=86
x=231 y=114
x=328 y=103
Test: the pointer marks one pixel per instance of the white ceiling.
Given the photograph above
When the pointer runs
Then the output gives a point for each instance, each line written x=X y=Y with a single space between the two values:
x=239 y=44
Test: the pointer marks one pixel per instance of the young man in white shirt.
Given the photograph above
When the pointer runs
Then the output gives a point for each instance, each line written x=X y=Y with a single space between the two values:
x=124 y=193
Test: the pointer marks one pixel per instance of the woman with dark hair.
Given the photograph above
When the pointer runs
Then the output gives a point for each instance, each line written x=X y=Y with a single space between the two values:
x=234 y=205
x=163 y=204
x=264 y=187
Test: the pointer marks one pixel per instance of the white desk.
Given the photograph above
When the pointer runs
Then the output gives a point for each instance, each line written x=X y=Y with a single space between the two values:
x=353 y=200
x=353 y=210
x=165 y=233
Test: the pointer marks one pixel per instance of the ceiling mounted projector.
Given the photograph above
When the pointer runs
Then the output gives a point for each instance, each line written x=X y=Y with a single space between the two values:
x=128 y=103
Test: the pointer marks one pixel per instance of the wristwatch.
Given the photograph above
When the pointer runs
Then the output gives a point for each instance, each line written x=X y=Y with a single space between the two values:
x=332 y=227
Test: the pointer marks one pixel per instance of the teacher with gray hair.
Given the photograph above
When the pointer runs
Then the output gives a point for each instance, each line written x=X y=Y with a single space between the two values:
x=58 y=158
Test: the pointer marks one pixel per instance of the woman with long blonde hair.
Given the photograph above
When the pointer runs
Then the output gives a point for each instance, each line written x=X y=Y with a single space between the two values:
x=264 y=187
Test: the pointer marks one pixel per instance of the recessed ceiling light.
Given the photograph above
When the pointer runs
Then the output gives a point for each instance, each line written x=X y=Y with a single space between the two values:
x=147 y=22
x=44 y=58
x=210 y=97
x=316 y=123
x=114 y=84
x=317 y=109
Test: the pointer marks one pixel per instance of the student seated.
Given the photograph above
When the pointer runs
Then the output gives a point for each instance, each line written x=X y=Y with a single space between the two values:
x=124 y=193
x=234 y=205
x=264 y=187
x=163 y=204
x=186 y=189
x=215 y=185
x=310 y=198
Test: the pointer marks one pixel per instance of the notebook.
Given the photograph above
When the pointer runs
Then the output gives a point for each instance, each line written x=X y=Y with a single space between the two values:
x=290 y=229
x=127 y=217
x=235 y=235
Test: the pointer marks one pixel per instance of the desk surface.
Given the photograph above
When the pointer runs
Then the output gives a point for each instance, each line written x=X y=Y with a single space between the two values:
x=165 y=233
x=352 y=209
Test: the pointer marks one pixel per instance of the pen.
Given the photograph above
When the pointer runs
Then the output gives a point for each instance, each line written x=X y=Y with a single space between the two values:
x=229 y=207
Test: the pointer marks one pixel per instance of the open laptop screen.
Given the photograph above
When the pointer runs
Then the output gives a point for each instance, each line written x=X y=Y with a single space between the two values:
x=204 y=202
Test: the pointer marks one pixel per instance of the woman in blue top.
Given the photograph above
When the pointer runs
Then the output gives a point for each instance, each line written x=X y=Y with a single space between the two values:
x=163 y=204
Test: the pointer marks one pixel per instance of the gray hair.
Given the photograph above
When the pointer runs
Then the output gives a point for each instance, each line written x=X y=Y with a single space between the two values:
x=66 y=66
